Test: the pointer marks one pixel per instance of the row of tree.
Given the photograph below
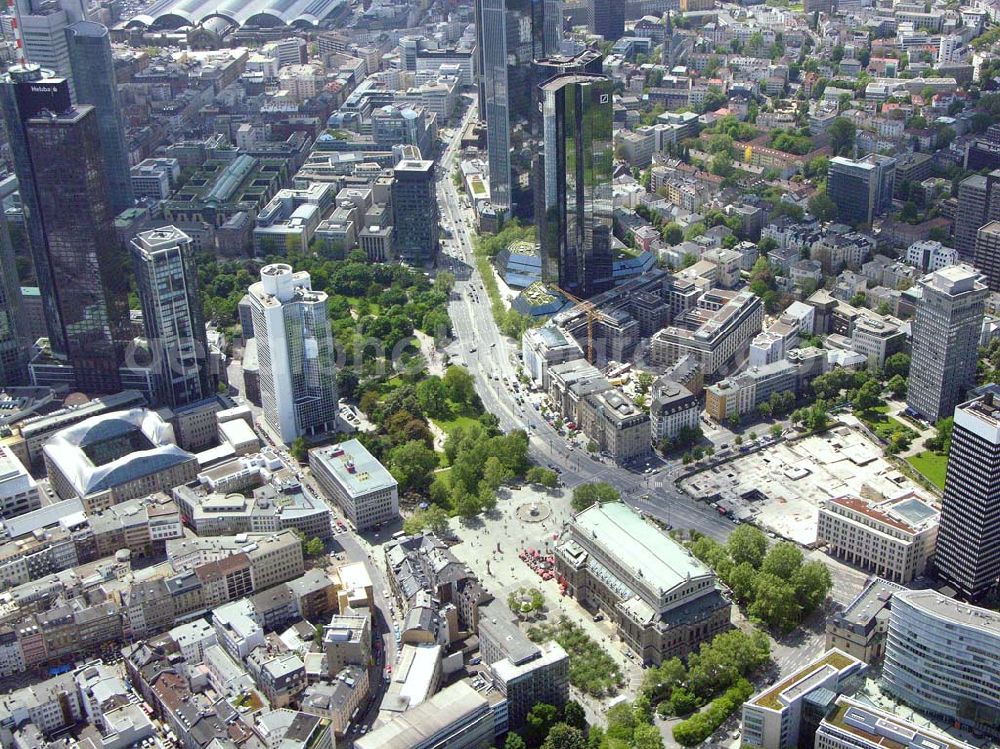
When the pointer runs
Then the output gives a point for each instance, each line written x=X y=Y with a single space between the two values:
x=778 y=588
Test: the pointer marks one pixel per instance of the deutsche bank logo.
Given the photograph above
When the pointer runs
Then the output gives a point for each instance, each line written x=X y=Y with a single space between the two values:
x=604 y=98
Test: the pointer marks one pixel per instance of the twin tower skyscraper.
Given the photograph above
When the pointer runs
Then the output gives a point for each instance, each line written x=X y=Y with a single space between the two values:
x=68 y=144
x=549 y=122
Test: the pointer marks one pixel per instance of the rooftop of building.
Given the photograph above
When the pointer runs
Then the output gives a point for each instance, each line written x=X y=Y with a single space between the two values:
x=907 y=513
x=885 y=730
x=869 y=603
x=354 y=467
x=805 y=679
x=965 y=614
x=653 y=556
x=450 y=706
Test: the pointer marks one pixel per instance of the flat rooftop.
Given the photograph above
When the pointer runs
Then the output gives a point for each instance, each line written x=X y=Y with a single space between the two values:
x=805 y=679
x=354 y=467
x=652 y=555
x=964 y=614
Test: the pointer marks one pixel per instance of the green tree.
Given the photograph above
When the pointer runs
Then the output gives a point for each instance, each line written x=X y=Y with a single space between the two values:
x=314 y=548
x=812 y=583
x=544 y=476
x=347 y=383
x=495 y=473
x=514 y=741
x=539 y=722
x=299 y=449
x=466 y=504
x=775 y=603
x=897 y=364
x=742 y=581
x=842 y=132
x=412 y=464
x=897 y=386
x=776 y=430
x=562 y=736
x=574 y=715
x=432 y=396
x=747 y=544
x=683 y=702
x=585 y=495
x=782 y=560
x=459 y=385
x=822 y=207
x=869 y=396
x=672 y=233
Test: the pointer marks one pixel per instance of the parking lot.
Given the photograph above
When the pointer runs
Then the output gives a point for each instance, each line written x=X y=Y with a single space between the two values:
x=782 y=487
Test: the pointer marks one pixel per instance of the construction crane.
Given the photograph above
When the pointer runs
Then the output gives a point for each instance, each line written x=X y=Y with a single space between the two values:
x=591 y=313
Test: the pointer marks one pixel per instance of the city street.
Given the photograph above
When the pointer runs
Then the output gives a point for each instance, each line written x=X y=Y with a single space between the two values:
x=485 y=352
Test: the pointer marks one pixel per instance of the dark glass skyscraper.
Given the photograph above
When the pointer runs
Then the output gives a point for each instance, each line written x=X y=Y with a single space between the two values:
x=575 y=230
x=414 y=207
x=88 y=266
x=94 y=83
x=609 y=19
x=511 y=34
x=13 y=338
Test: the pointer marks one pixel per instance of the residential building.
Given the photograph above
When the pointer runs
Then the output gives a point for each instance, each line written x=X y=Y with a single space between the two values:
x=347 y=640
x=860 y=629
x=941 y=659
x=894 y=538
x=857 y=725
x=862 y=188
x=618 y=426
x=18 y=490
x=946 y=328
x=664 y=603
x=415 y=213
x=364 y=490
x=784 y=715
x=673 y=407
x=743 y=392
x=236 y=628
x=337 y=699
x=575 y=183
x=295 y=353
x=457 y=717
x=987 y=253
x=163 y=260
x=929 y=255
x=968 y=553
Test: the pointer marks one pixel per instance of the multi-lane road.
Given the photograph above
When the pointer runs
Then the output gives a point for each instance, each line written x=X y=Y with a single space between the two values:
x=491 y=358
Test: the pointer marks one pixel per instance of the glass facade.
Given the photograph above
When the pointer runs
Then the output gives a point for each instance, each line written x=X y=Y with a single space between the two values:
x=94 y=84
x=171 y=309
x=86 y=262
x=13 y=334
x=511 y=34
x=575 y=230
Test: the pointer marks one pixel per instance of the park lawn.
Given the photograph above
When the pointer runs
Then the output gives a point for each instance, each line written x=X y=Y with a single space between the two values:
x=931 y=465
x=884 y=425
x=448 y=425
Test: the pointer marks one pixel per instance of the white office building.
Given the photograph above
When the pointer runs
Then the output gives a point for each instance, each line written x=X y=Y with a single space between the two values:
x=298 y=387
x=352 y=477
x=18 y=490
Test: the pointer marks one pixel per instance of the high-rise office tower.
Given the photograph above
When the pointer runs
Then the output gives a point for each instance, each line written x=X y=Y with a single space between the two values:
x=987 y=255
x=946 y=330
x=589 y=61
x=298 y=386
x=510 y=35
x=609 y=19
x=93 y=70
x=414 y=208
x=978 y=204
x=167 y=278
x=968 y=544
x=43 y=29
x=13 y=331
x=575 y=229
x=64 y=194
x=861 y=188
